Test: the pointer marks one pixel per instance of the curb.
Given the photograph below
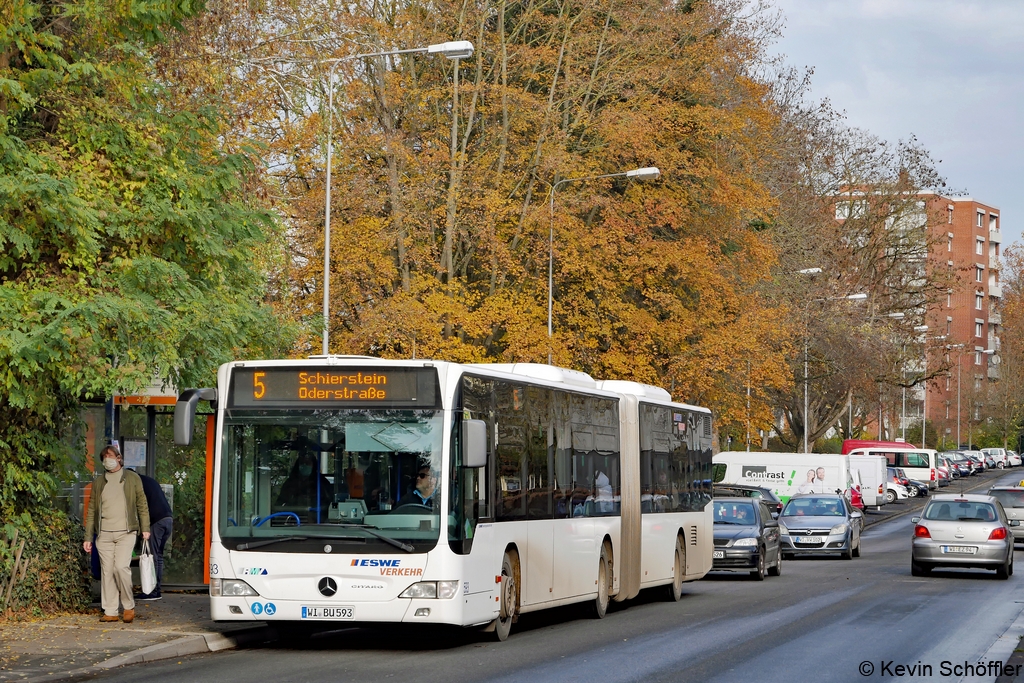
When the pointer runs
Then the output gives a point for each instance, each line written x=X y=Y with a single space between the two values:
x=196 y=643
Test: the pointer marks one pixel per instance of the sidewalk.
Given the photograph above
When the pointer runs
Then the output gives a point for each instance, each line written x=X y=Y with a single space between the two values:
x=76 y=645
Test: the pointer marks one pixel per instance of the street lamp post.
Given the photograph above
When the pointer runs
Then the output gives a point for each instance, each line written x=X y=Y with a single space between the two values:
x=903 y=411
x=456 y=50
x=924 y=409
x=807 y=323
x=892 y=316
x=850 y=297
x=959 y=356
x=970 y=431
x=647 y=173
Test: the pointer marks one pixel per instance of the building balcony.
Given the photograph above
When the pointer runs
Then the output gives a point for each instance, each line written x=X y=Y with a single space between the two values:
x=995 y=236
x=993 y=372
x=995 y=318
x=995 y=289
x=994 y=263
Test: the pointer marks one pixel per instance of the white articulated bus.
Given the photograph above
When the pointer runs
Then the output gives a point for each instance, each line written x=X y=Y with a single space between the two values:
x=355 y=489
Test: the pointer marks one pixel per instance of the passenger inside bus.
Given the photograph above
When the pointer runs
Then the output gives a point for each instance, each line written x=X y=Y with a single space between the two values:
x=304 y=487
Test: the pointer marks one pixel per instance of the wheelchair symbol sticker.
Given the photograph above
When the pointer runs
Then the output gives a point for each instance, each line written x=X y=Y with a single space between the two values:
x=269 y=609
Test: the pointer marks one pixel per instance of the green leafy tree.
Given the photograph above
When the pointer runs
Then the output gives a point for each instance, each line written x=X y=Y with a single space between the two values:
x=132 y=245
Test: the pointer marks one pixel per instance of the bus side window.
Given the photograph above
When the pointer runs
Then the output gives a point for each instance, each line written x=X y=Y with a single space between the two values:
x=510 y=460
x=540 y=412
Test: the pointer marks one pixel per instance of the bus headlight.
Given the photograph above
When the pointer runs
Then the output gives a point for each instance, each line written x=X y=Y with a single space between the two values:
x=442 y=590
x=232 y=587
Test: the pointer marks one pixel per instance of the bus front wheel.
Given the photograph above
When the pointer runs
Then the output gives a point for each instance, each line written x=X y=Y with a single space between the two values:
x=508 y=598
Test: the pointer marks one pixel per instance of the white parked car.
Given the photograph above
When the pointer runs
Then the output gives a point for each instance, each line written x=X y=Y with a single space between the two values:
x=1013 y=459
x=894 y=492
x=997 y=454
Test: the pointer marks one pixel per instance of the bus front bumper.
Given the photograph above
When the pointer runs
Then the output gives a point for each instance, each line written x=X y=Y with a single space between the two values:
x=322 y=612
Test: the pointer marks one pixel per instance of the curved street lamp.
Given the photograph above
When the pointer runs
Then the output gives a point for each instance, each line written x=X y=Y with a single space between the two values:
x=456 y=50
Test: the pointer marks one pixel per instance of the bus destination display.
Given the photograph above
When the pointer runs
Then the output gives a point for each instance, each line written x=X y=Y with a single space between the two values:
x=319 y=387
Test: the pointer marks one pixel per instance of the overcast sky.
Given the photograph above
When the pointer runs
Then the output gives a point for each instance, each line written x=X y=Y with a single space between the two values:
x=950 y=72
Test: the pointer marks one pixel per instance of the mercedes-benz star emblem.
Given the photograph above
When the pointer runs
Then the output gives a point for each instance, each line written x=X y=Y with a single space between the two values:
x=327 y=586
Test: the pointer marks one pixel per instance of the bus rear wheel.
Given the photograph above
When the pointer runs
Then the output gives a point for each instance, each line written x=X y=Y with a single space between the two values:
x=674 y=591
x=508 y=598
x=604 y=584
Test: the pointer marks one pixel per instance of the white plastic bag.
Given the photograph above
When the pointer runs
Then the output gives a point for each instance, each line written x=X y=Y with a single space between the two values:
x=147 y=568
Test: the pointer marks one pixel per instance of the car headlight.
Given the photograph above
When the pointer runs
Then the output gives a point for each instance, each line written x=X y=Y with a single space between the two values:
x=839 y=529
x=745 y=543
x=442 y=590
x=783 y=529
x=231 y=587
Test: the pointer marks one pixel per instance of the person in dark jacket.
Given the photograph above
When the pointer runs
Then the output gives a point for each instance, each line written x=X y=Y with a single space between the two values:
x=307 y=488
x=161 y=524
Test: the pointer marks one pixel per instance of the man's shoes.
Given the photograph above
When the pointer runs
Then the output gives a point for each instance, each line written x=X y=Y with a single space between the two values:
x=128 y=616
x=107 y=617
x=148 y=596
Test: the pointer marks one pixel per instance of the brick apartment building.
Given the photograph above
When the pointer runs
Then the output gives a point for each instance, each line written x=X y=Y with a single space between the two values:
x=969 y=241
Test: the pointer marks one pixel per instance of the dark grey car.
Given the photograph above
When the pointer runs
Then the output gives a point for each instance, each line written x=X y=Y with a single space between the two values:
x=817 y=524
x=746 y=538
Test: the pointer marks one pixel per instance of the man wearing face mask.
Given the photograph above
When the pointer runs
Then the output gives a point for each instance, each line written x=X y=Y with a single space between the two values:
x=118 y=511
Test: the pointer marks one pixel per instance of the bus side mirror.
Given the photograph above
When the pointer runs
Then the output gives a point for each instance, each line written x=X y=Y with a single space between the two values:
x=474 y=443
x=185 y=413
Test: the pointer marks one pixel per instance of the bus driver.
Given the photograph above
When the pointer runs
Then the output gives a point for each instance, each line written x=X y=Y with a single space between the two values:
x=423 y=490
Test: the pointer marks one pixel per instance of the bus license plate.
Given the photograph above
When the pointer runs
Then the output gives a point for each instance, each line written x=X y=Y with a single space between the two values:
x=960 y=549
x=717 y=554
x=342 y=613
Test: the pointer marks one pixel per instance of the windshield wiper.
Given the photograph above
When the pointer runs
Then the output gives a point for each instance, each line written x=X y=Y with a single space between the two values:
x=376 y=534
x=725 y=521
x=260 y=544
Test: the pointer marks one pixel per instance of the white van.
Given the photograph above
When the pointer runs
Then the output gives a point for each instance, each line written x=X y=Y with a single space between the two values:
x=872 y=469
x=919 y=463
x=786 y=474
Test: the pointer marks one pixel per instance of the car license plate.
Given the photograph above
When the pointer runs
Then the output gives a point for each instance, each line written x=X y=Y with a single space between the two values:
x=808 y=539
x=717 y=554
x=342 y=613
x=960 y=549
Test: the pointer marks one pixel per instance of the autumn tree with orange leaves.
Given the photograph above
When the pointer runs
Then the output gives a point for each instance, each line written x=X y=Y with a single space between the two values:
x=440 y=242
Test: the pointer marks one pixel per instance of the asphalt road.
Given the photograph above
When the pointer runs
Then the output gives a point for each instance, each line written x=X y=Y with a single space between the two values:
x=819 y=621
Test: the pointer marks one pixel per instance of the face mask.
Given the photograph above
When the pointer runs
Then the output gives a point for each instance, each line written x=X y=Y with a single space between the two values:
x=305 y=470
x=110 y=464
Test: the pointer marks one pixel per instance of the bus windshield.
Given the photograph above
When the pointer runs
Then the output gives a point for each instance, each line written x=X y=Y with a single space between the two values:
x=296 y=478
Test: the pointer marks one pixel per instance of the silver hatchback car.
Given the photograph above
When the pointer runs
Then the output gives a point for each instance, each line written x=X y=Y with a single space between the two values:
x=965 y=530
x=1012 y=498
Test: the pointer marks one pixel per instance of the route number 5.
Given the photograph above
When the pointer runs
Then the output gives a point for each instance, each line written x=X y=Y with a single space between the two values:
x=258 y=388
